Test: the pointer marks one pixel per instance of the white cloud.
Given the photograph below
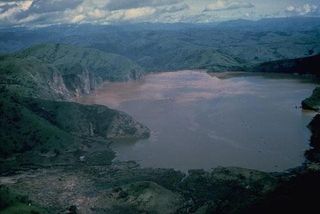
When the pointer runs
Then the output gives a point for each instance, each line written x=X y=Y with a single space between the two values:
x=173 y=8
x=97 y=14
x=221 y=5
x=12 y=8
x=302 y=10
x=46 y=12
x=137 y=12
x=130 y=4
x=78 y=18
x=290 y=8
x=24 y=5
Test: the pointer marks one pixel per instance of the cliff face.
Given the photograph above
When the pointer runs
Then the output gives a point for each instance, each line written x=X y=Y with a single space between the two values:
x=55 y=71
x=80 y=81
x=87 y=120
x=30 y=77
x=36 y=127
x=307 y=65
x=313 y=154
x=122 y=126
x=69 y=59
x=37 y=131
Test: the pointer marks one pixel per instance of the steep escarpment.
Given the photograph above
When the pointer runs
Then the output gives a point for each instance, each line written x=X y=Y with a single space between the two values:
x=87 y=120
x=55 y=71
x=313 y=154
x=103 y=65
x=30 y=77
x=34 y=131
x=306 y=65
x=37 y=128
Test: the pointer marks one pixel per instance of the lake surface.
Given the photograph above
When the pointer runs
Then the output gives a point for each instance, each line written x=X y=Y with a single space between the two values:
x=204 y=121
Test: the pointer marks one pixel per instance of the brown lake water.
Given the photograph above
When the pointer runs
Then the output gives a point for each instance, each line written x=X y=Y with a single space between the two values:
x=199 y=120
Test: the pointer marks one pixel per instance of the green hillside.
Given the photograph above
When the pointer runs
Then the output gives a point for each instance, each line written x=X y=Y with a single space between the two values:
x=37 y=129
x=39 y=132
x=55 y=71
x=66 y=58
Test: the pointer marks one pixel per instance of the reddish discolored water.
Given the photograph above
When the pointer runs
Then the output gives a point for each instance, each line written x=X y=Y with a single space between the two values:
x=202 y=121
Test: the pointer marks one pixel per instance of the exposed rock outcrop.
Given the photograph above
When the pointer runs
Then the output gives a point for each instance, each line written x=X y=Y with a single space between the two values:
x=55 y=71
x=123 y=126
x=313 y=102
x=58 y=123
x=36 y=127
x=313 y=154
x=80 y=81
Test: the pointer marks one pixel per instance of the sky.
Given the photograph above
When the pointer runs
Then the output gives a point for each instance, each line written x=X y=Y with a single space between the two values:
x=48 y=12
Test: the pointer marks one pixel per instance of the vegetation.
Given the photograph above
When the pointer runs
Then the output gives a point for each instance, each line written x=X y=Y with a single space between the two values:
x=13 y=203
x=37 y=132
x=55 y=71
x=69 y=59
x=228 y=46
x=313 y=102
x=69 y=142
x=313 y=154
x=305 y=65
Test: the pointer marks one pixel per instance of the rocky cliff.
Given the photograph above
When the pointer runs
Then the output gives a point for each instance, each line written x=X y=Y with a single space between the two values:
x=55 y=71
x=313 y=102
x=37 y=131
x=306 y=65
x=313 y=154
x=38 y=127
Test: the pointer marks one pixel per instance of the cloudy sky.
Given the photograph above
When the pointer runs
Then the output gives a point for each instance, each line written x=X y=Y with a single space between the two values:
x=47 y=12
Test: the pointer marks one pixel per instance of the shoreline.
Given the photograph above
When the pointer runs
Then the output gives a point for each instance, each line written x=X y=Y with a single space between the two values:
x=175 y=181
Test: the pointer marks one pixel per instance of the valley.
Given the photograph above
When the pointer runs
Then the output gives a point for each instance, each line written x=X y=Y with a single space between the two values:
x=160 y=118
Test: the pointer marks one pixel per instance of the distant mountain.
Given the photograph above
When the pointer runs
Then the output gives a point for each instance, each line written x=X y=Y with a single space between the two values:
x=63 y=71
x=159 y=47
x=274 y=24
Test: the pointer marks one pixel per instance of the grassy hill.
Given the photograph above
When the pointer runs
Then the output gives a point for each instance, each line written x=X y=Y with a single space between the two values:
x=40 y=132
x=66 y=58
x=159 y=47
x=54 y=71
x=36 y=128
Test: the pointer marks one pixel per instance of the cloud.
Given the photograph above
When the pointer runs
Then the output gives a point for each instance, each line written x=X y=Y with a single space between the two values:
x=24 y=11
x=173 y=8
x=103 y=16
x=41 y=6
x=303 y=10
x=48 y=12
x=9 y=9
x=50 y=6
x=152 y=11
x=140 y=10
x=223 y=5
x=137 y=13
x=125 y=4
